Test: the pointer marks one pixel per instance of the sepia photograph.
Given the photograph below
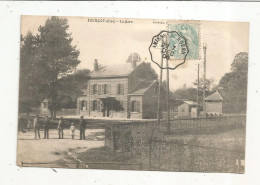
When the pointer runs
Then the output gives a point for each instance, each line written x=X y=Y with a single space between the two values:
x=132 y=94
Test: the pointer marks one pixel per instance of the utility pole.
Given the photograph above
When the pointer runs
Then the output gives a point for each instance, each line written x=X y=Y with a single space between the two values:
x=168 y=92
x=159 y=91
x=204 y=76
x=198 y=83
x=168 y=88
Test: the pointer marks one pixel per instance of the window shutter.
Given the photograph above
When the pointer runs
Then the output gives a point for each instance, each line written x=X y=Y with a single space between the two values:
x=86 y=105
x=109 y=89
x=138 y=106
x=99 y=89
x=79 y=105
x=91 y=89
x=88 y=89
x=102 y=89
x=98 y=106
x=101 y=106
x=91 y=105
x=122 y=105
x=122 y=89
x=118 y=88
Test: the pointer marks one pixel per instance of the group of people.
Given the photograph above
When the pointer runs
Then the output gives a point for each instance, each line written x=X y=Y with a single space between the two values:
x=37 y=125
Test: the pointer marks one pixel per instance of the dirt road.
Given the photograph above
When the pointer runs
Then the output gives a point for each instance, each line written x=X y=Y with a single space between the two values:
x=53 y=151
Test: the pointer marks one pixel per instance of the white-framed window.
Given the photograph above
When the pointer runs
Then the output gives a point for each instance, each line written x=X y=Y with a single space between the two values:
x=83 y=105
x=105 y=90
x=95 y=89
x=135 y=106
x=95 y=105
x=120 y=89
x=120 y=106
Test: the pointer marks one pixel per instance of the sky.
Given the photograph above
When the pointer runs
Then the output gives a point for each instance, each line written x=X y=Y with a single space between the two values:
x=111 y=43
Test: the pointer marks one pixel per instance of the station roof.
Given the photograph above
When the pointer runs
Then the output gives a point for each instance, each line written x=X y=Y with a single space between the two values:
x=118 y=70
x=142 y=87
x=214 y=97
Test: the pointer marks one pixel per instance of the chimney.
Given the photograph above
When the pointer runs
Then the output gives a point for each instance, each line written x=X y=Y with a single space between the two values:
x=133 y=64
x=95 y=65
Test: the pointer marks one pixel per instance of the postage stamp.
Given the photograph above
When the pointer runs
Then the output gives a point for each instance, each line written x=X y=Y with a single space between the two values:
x=191 y=32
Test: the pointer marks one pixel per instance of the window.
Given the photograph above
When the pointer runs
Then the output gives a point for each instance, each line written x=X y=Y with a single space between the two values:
x=95 y=105
x=135 y=106
x=120 y=88
x=105 y=88
x=120 y=106
x=95 y=89
x=82 y=104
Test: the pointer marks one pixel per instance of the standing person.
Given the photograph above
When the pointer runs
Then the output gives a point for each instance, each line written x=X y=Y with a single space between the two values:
x=29 y=125
x=72 y=128
x=36 y=125
x=46 y=125
x=82 y=127
x=61 y=127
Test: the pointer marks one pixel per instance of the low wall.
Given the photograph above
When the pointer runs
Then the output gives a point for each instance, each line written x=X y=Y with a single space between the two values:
x=146 y=142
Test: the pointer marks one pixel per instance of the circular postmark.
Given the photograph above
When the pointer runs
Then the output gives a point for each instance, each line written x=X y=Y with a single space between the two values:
x=171 y=46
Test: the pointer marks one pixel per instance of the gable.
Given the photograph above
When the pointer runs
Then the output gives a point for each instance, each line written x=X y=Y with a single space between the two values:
x=144 y=71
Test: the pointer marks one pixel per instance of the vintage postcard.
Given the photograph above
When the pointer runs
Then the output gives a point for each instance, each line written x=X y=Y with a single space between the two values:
x=133 y=94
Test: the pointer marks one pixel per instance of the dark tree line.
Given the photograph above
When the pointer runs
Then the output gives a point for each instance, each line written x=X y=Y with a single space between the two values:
x=190 y=93
x=48 y=67
x=233 y=85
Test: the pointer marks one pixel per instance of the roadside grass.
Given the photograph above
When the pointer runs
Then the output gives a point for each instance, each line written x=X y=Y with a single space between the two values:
x=102 y=154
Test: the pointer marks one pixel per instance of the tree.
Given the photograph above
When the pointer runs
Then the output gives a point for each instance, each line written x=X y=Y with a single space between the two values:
x=209 y=85
x=72 y=86
x=234 y=85
x=29 y=81
x=58 y=57
x=133 y=58
x=190 y=93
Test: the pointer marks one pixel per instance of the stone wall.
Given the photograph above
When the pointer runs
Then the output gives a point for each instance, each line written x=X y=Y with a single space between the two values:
x=149 y=144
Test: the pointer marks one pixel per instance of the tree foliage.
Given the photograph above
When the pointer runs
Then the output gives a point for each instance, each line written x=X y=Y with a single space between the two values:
x=209 y=85
x=58 y=57
x=133 y=57
x=190 y=93
x=72 y=86
x=48 y=61
x=29 y=82
x=234 y=85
